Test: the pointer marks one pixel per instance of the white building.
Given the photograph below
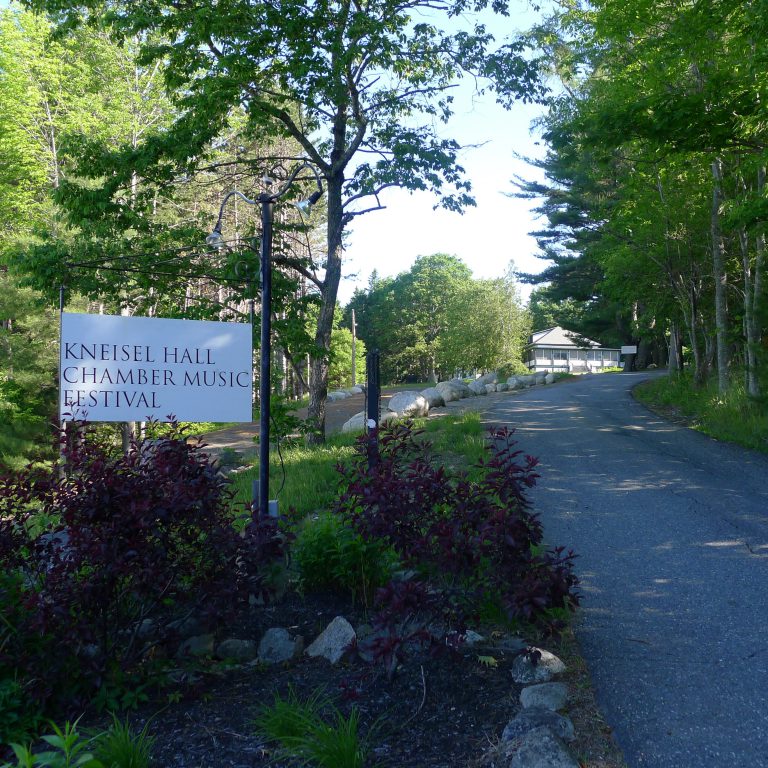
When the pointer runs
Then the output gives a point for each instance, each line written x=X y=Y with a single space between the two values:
x=556 y=349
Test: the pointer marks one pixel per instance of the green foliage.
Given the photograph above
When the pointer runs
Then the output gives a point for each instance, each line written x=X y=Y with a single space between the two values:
x=457 y=439
x=436 y=319
x=340 y=368
x=19 y=716
x=71 y=749
x=313 y=731
x=121 y=746
x=28 y=359
x=328 y=554
x=733 y=417
x=304 y=477
x=657 y=149
x=117 y=747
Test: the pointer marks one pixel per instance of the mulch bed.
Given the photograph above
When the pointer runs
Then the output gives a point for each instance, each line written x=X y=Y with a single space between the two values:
x=439 y=710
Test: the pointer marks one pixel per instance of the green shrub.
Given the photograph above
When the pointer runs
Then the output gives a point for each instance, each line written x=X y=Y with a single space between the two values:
x=70 y=749
x=122 y=747
x=117 y=747
x=19 y=716
x=512 y=368
x=304 y=735
x=328 y=554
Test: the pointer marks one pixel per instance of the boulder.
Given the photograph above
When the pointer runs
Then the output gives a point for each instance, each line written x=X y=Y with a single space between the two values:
x=433 y=397
x=502 y=387
x=462 y=386
x=472 y=638
x=488 y=378
x=278 y=646
x=197 y=645
x=186 y=627
x=477 y=387
x=354 y=424
x=528 y=380
x=547 y=665
x=549 y=378
x=547 y=695
x=540 y=748
x=513 y=383
x=408 y=403
x=490 y=389
x=237 y=650
x=356 y=390
x=388 y=416
x=334 y=641
x=449 y=391
x=532 y=718
x=539 y=377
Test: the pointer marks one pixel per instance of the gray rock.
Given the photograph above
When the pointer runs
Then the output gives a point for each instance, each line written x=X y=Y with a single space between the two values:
x=388 y=416
x=277 y=646
x=197 y=645
x=356 y=390
x=452 y=390
x=502 y=387
x=332 y=643
x=433 y=397
x=490 y=389
x=541 y=749
x=146 y=629
x=549 y=378
x=512 y=643
x=488 y=378
x=537 y=717
x=477 y=387
x=463 y=387
x=354 y=424
x=525 y=671
x=237 y=650
x=539 y=377
x=408 y=403
x=472 y=638
x=512 y=382
x=186 y=627
x=547 y=695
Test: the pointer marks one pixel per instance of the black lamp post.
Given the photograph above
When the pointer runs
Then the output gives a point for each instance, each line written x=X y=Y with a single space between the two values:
x=215 y=239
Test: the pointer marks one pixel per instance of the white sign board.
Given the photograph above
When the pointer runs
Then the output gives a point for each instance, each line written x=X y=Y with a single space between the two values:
x=629 y=350
x=135 y=368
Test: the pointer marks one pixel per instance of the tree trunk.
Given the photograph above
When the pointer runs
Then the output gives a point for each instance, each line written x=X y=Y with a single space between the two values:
x=718 y=266
x=699 y=366
x=752 y=299
x=675 y=349
x=318 y=384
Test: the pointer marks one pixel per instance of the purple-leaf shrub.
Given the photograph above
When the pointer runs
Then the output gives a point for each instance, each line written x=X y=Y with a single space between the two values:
x=131 y=545
x=472 y=541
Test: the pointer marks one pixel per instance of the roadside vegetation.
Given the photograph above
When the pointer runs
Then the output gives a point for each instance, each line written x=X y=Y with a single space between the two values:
x=133 y=544
x=733 y=416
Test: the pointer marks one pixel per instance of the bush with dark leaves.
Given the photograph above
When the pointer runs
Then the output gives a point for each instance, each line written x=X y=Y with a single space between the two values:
x=468 y=544
x=103 y=555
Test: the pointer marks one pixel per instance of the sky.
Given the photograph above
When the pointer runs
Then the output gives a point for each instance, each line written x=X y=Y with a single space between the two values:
x=486 y=237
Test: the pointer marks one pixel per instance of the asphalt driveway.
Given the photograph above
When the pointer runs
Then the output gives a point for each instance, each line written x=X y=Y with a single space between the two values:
x=671 y=529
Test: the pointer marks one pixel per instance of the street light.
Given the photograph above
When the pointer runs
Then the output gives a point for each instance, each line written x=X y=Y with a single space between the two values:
x=215 y=240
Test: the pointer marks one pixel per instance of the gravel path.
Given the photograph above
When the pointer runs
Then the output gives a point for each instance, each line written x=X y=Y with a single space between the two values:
x=671 y=529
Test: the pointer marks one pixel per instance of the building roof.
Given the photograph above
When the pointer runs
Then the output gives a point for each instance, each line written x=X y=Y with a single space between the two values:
x=559 y=337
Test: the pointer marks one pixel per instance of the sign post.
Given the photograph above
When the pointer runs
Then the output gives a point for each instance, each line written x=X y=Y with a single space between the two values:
x=629 y=353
